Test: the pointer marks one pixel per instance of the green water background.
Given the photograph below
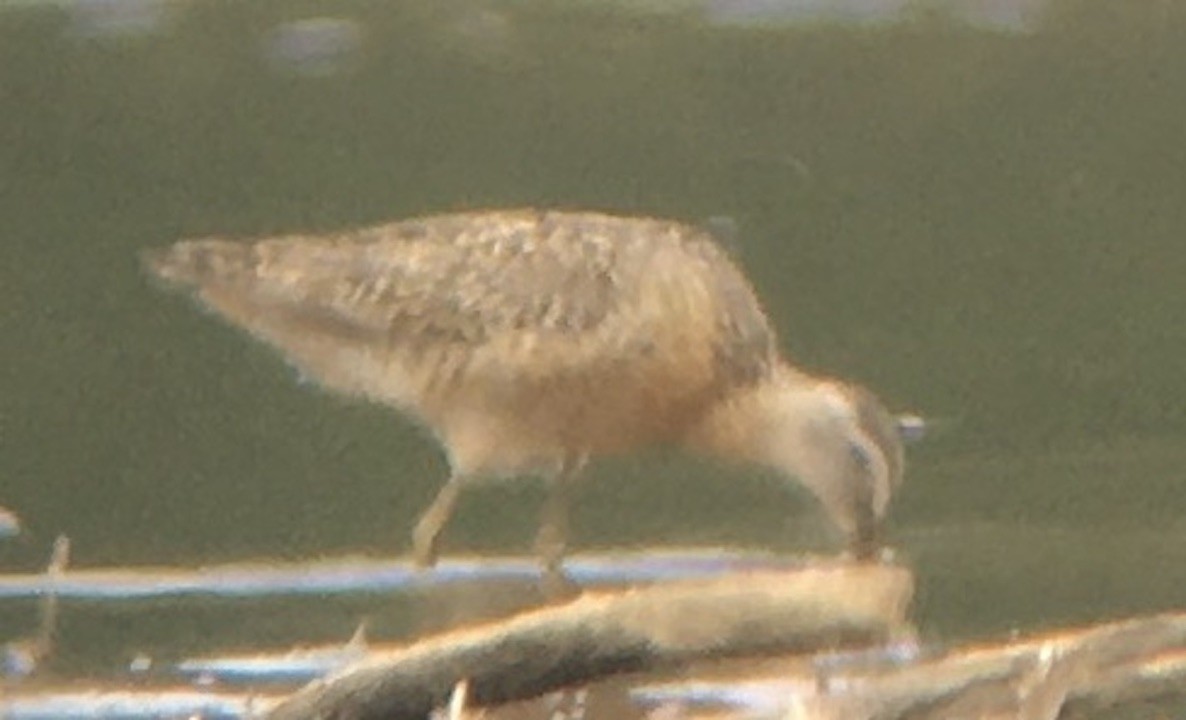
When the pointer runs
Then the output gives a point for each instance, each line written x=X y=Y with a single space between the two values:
x=986 y=227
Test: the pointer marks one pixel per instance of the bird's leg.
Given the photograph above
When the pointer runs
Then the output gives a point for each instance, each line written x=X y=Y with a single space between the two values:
x=432 y=521
x=552 y=539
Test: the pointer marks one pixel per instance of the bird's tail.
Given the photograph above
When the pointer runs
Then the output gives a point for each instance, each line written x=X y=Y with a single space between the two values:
x=199 y=263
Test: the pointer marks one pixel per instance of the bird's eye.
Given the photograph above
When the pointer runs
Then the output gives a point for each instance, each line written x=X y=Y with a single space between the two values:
x=861 y=454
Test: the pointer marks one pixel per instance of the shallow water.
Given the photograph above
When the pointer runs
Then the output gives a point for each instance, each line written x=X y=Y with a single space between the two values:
x=982 y=223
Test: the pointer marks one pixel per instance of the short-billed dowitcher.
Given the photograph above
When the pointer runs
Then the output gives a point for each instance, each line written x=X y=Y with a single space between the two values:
x=530 y=341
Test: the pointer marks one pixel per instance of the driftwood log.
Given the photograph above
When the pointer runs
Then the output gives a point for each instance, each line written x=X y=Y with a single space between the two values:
x=649 y=628
x=1078 y=672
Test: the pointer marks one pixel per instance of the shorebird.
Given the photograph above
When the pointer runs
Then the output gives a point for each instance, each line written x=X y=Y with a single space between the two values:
x=530 y=341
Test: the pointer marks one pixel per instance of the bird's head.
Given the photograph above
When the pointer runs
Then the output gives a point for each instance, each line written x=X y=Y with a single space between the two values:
x=839 y=441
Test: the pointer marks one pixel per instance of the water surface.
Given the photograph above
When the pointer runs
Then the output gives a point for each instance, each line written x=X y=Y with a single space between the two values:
x=981 y=222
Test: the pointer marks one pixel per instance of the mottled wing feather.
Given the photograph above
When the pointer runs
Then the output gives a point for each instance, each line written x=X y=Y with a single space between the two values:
x=746 y=348
x=512 y=292
x=470 y=279
x=454 y=280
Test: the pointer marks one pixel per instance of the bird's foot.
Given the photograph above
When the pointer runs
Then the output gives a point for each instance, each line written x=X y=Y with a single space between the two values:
x=557 y=586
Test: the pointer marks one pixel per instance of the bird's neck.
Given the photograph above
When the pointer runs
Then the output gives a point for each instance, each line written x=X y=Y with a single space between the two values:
x=746 y=423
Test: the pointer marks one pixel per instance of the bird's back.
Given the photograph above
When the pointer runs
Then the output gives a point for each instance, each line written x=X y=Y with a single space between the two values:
x=508 y=332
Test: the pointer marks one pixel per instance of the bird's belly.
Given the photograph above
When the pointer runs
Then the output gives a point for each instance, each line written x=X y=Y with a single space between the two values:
x=509 y=433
